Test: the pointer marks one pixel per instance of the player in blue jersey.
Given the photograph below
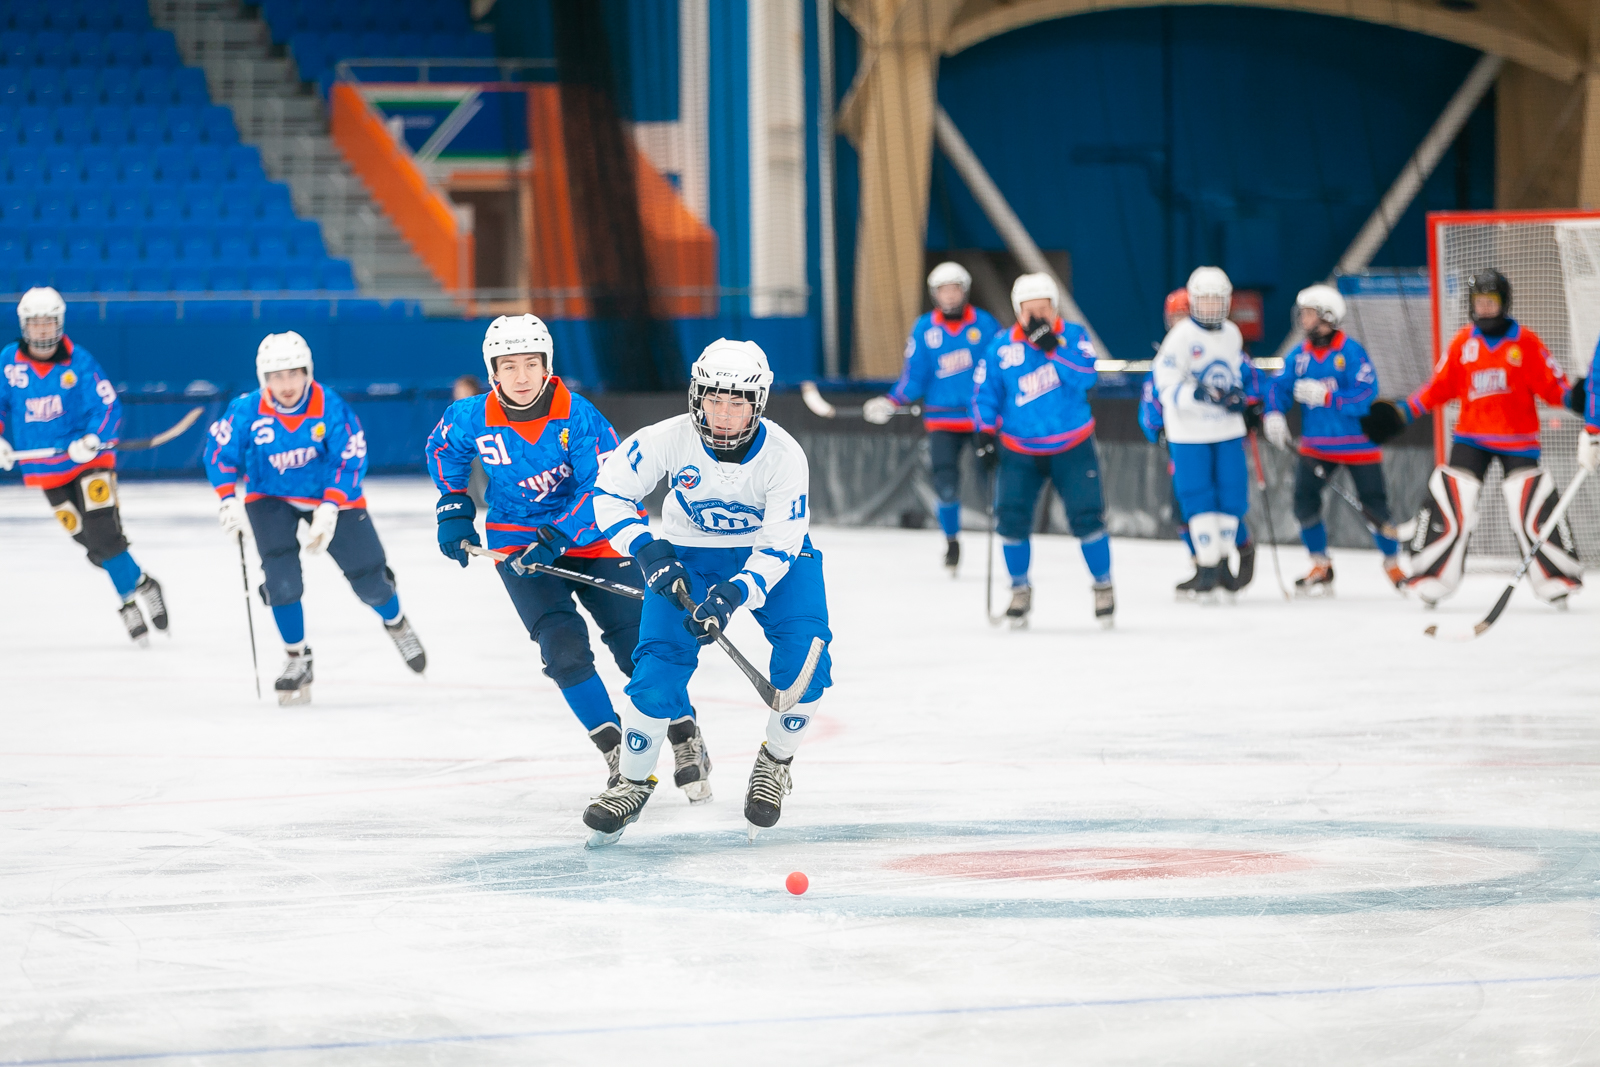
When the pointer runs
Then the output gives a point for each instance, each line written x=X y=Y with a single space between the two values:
x=1031 y=402
x=1585 y=402
x=55 y=397
x=1333 y=381
x=541 y=446
x=941 y=352
x=301 y=454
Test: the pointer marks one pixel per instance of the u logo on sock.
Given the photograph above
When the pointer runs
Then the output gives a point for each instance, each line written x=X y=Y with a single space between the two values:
x=795 y=723
x=638 y=742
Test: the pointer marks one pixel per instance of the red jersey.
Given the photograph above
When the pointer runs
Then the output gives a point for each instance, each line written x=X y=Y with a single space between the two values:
x=1496 y=382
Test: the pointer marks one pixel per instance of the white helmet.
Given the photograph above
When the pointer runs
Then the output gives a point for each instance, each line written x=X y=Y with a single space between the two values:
x=1209 y=282
x=738 y=367
x=282 y=351
x=514 y=335
x=1325 y=300
x=949 y=273
x=42 y=302
x=1033 y=287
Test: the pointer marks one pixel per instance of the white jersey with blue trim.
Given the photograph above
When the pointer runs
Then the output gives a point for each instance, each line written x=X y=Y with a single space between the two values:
x=1191 y=356
x=758 y=504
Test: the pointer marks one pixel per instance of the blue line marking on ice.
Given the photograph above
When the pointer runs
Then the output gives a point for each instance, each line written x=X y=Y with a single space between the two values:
x=841 y=1017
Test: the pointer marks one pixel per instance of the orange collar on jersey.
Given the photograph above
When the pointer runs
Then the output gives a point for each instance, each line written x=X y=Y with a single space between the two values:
x=43 y=367
x=1335 y=343
x=494 y=414
x=953 y=326
x=292 y=422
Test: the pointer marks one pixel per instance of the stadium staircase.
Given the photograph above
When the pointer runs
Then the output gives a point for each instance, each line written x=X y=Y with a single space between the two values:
x=285 y=119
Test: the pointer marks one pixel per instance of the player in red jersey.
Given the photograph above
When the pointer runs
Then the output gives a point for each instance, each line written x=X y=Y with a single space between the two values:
x=1497 y=368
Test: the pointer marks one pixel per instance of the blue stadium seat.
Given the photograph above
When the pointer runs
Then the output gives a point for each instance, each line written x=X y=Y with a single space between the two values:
x=147 y=312
x=244 y=165
x=62 y=166
x=204 y=206
x=218 y=310
x=305 y=241
x=160 y=49
x=74 y=280
x=122 y=242
x=16 y=49
x=153 y=85
x=336 y=276
x=13 y=86
x=112 y=280
x=133 y=161
x=17 y=206
x=85 y=248
x=183 y=125
x=301 y=278
x=226 y=279
x=263 y=279
x=216 y=124
x=172 y=165
x=275 y=203
x=189 y=87
x=50 y=49
x=10 y=129
x=132 y=206
x=100 y=18
x=55 y=208
x=25 y=169
x=124 y=48
x=38 y=125
x=84 y=90
x=116 y=86
x=272 y=246
x=188 y=278
x=30 y=18
x=47 y=86
x=110 y=124
x=72 y=124
x=233 y=244
x=160 y=249
x=88 y=49
x=197 y=245
x=210 y=164
x=44 y=249
x=146 y=125
x=93 y=209
x=13 y=248
x=99 y=165
x=166 y=207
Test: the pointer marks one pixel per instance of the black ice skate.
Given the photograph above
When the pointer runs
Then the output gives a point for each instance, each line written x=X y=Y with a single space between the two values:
x=1021 y=604
x=769 y=784
x=607 y=737
x=133 y=619
x=294 y=684
x=405 y=640
x=691 y=763
x=149 y=590
x=952 y=556
x=1105 y=604
x=1233 y=583
x=1318 y=583
x=613 y=810
x=1187 y=590
x=1206 y=581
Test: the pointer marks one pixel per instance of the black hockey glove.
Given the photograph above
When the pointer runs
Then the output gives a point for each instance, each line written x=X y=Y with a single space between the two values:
x=548 y=545
x=987 y=448
x=1041 y=333
x=455 y=512
x=721 y=601
x=1252 y=416
x=661 y=568
x=1385 y=421
x=1578 y=399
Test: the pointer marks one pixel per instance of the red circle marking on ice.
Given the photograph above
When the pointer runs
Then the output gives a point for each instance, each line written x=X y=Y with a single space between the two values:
x=1101 y=864
x=797 y=883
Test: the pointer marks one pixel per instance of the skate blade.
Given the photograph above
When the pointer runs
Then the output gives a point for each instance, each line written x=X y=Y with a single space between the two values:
x=751 y=830
x=1107 y=622
x=142 y=641
x=600 y=840
x=1017 y=623
x=953 y=571
x=697 y=792
x=291 y=697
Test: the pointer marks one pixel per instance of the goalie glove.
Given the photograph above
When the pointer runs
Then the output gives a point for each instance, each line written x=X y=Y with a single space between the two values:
x=1578 y=398
x=1385 y=421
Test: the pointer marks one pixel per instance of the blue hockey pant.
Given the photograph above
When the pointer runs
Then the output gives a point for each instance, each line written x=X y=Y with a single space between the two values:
x=1213 y=486
x=1308 y=485
x=944 y=455
x=355 y=548
x=1076 y=475
x=545 y=605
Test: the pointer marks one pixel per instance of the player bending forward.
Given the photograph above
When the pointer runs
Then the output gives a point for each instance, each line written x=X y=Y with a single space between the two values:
x=733 y=533
x=302 y=455
x=1199 y=378
x=1496 y=368
x=1332 y=379
x=56 y=397
x=1031 y=401
x=941 y=353
x=541 y=447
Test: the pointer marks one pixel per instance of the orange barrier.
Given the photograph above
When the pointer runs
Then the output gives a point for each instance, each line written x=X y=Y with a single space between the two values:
x=553 y=246
x=418 y=210
x=680 y=250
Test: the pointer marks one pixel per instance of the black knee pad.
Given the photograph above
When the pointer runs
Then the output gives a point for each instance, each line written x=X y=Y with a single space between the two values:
x=102 y=536
x=1307 y=497
x=564 y=645
x=373 y=586
x=282 y=584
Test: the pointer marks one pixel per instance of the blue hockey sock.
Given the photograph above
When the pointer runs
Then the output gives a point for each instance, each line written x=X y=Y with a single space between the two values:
x=1018 y=555
x=1183 y=535
x=1315 y=538
x=291 y=620
x=950 y=519
x=591 y=703
x=1242 y=538
x=125 y=573
x=1097 y=554
x=389 y=609
x=1385 y=545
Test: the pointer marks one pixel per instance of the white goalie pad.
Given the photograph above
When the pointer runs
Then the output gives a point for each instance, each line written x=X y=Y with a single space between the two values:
x=1531 y=496
x=1439 y=546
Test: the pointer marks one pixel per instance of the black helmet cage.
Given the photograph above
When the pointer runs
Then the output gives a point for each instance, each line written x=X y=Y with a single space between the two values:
x=1484 y=283
x=699 y=391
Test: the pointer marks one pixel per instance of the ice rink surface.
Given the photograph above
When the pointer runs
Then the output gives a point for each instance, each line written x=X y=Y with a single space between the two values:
x=1266 y=833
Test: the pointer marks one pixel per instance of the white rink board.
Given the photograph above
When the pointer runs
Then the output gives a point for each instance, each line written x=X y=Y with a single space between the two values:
x=1265 y=833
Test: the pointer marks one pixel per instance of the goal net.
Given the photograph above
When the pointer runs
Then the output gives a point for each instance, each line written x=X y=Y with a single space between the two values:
x=1552 y=261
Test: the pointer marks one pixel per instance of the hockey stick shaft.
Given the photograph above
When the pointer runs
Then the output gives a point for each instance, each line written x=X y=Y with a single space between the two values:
x=1266 y=504
x=135 y=444
x=249 y=614
x=779 y=700
x=824 y=410
x=988 y=573
x=555 y=572
x=1381 y=527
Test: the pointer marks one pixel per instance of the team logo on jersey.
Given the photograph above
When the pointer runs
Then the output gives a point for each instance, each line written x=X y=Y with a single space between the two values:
x=1338 y=362
x=688 y=477
x=795 y=723
x=721 y=516
x=563 y=438
x=1514 y=356
x=544 y=483
x=292 y=459
x=1302 y=363
x=42 y=408
x=1037 y=383
x=953 y=363
x=974 y=335
x=1218 y=378
x=934 y=337
x=638 y=742
x=318 y=432
x=1488 y=382
x=68 y=379
x=1469 y=351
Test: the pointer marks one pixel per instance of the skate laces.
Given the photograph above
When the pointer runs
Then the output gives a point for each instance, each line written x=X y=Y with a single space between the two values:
x=770 y=782
x=152 y=595
x=688 y=752
x=405 y=639
x=623 y=798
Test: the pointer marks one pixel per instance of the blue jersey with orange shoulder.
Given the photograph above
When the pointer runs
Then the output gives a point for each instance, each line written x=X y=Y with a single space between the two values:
x=541 y=472
x=940 y=356
x=1332 y=432
x=1036 y=401
x=316 y=452
x=50 y=404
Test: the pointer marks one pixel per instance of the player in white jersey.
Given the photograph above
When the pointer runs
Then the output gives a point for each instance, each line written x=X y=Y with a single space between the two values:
x=734 y=533
x=1199 y=378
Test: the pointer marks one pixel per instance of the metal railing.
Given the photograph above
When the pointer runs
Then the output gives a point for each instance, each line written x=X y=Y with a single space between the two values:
x=350 y=69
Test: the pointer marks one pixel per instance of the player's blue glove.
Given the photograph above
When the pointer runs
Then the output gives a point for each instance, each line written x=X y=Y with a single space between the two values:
x=721 y=601
x=455 y=512
x=661 y=568
x=548 y=544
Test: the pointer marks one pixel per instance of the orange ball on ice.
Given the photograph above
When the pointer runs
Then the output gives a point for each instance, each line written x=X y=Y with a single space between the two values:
x=797 y=883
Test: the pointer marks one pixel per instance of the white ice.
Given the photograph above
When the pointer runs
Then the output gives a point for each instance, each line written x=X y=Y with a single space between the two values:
x=1266 y=833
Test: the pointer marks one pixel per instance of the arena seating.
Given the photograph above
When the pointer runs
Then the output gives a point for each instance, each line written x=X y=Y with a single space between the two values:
x=320 y=34
x=118 y=175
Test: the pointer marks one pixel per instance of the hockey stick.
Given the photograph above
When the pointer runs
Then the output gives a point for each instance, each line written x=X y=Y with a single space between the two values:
x=1266 y=503
x=988 y=573
x=555 y=572
x=249 y=613
x=824 y=410
x=1550 y=526
x=779 y=700
x=1382 y=527
x=134 y=444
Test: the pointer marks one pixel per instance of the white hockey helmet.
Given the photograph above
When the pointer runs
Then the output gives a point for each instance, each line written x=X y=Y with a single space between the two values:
x=737 y=367
x=1209 y=289
x=1325 y=300
x=514 y=335
x=1033 y=287
x=42 y=303
x=282 y=351
x=948 y=273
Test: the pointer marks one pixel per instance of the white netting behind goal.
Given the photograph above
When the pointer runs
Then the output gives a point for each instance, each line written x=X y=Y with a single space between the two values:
x=1553 y=265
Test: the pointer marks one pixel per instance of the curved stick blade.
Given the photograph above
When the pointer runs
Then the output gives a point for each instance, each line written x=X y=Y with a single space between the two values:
x=813 y=400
